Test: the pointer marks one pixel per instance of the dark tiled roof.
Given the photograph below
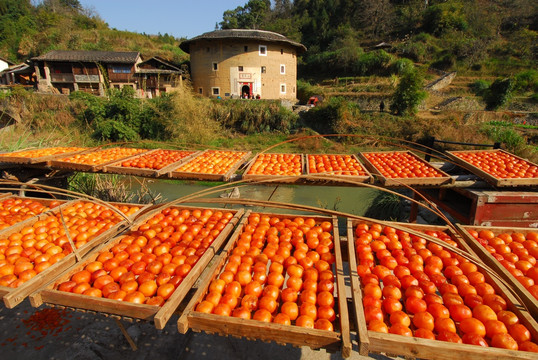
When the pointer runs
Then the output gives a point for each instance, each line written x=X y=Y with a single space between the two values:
x=128 y=57
x=248 y=34
x=163 y=64
x=158 y=71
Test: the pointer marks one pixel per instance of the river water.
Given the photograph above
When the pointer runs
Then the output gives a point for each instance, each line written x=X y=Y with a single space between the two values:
x=353 y=200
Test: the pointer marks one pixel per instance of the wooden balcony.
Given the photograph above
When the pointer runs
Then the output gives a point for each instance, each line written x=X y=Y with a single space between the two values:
x=62 y=77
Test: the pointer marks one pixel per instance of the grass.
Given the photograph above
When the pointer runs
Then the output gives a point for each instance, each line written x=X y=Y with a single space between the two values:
x=111 y=188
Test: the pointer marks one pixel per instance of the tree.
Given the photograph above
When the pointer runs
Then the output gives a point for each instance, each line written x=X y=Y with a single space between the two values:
x=374 y=16
x=251 y=16
x=408 y=94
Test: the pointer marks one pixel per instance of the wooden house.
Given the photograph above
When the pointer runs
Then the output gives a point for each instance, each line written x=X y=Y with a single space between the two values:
x=62 y=72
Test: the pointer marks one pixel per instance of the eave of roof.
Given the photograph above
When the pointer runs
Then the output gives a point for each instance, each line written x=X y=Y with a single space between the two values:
x=127 y=57
x=157 y=71
x=245 y=34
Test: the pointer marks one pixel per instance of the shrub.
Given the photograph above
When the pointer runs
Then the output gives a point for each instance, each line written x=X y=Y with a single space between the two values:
x=401 y=66
x=526 y=81
x=444 y=17
x=479 y=87
x=445 y=63
x=112 y=130
x=250 y=117
x=505 y=135
x=334 y=116
x=499 y=93
x=408 y=94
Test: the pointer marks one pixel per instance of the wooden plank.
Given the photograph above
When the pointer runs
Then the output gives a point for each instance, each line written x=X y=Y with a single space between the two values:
x=284 y=179
x=420 y=181
x=530 y=301
x=288 y=334
x=499 y=182
x=341 y=293
x=358 y=178
x=160 y=315
x=253 y=329
x=360 y=321
x=14 y=159
x=440 y=350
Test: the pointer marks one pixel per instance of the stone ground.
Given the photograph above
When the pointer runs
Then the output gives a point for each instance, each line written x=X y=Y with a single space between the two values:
x=51 y=333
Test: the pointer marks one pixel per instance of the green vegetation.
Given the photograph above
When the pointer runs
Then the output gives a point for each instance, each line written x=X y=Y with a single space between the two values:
x=492 y=44
x=408 y=93
x=31 y=28
x=472 y=37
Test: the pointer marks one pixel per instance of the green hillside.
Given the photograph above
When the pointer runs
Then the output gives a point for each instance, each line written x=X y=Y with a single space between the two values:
x=28 y=30
x=493 y=46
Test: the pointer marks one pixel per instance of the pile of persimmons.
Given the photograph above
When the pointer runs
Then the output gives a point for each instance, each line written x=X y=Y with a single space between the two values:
x=36 y=247
x=277 y=164
x=401 y=165
x=335 y=164
x=500 y=164
x=102 y=156
x=147 y=264
x=516 y=252
x=279 y=271
x=413 y=287
x=14 y=210
x=157 y=159
x=36 y=153
x=213 y=162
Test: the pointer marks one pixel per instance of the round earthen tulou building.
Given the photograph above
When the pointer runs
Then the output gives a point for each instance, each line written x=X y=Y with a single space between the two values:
x=244 y=63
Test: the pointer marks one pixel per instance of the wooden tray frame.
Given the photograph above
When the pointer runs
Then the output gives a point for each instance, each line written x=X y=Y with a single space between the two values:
x=358 y=178
x=14 y=296
x=159 y=314
x=252 y=329
x=499 y=182
x=58 y=164
x=287 y=179
x=530 y=302
x=37 y=160
x=420 y=181
x=372 y=341
x=116 y=168
x=204 y=176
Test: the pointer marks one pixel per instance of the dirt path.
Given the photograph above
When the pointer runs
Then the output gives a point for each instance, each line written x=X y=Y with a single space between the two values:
x=47 y=333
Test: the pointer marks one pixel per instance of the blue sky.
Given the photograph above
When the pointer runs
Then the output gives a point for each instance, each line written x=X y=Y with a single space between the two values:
x=180 y=18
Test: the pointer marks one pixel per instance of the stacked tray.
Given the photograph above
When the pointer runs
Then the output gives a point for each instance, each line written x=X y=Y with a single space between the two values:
x=498 y=167
x=283 y=168
x=163 y=242
x=95 y=160
x=43 y=241
x=379 y=332
x=36 y=156
x=265 y=311
x=484 y=240
x=346 y=167
x=154 y=163
x=398 y=168
x=215 y=165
